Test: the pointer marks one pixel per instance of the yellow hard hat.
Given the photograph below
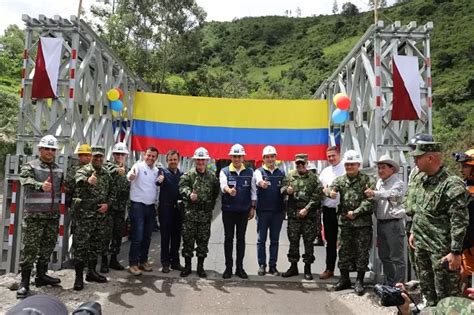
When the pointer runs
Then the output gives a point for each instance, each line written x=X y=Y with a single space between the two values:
x=470 y=154
x=84 y=149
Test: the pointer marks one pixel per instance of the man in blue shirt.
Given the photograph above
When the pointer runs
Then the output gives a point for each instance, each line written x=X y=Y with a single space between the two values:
x=168 y=213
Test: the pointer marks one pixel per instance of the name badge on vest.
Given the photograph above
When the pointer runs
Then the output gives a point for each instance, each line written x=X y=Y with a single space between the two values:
x=279 y=183
x=246 y=183
x=231 y=183
x=265 y=178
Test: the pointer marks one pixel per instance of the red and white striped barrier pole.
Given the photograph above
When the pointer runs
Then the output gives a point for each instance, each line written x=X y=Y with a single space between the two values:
x=62 y=208
x=11 y=228
x=72 y=77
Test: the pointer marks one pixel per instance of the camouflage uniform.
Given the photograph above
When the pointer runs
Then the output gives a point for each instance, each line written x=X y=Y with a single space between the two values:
x=88 y=238
x=114 y=224
x=69 y=186
x=450 y=305
x=198 y=215
x=355 y=236
x=439 y=226
x=41 y=212
x=307 y=194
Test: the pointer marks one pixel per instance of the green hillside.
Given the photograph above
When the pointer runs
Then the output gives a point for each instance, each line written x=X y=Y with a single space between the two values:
x=286 y=57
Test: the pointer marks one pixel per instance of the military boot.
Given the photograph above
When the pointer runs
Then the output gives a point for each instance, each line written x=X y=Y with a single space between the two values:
x=104 y=265
x=79 y=281
x=187 y=267
x=359 y=284
x=42 y=278
x=92 y=275
x=307 y=272
x=114 y=264
x=200 y=268
x=24 y=289
x=292 y=271
x=344 y=281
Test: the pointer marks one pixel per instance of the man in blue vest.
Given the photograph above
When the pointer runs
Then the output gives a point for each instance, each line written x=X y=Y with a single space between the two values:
x=171 y=220
x=238 y=206
x=270 y=210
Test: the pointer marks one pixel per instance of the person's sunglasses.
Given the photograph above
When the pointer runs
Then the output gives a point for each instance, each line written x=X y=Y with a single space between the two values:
x=49 y=149
x=300 y=163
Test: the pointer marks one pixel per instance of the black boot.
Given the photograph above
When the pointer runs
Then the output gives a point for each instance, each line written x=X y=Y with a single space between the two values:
x=114 y=264
x=42 y=278
x=307 y=272
x=24 y=289
x=187 y=267
x=177 y=266
x=292 y=271
x=344 y=281
x=92 y=275
x=104 y=265
x=79 y=281
x=359 y=284
x=200 y=268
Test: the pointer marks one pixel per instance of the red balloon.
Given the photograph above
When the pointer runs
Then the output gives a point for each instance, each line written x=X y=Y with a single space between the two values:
x=120 y=93
x=343 y=102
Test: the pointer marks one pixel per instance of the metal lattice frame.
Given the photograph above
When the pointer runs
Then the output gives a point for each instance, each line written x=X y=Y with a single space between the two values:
x=80 y=114
x=365 y=75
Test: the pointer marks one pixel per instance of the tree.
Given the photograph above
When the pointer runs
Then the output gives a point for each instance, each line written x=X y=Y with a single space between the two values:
x=349 y=9
x=298 y=12
x=151 y=34
x=242 y=61
x=335 y=8
x=11 y=52
x=380 y=3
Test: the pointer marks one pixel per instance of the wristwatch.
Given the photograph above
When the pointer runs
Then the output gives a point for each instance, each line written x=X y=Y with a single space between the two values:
x=456 y=252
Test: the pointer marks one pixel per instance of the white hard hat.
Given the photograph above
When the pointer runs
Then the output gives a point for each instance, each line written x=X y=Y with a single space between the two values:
x=201 y=154
x=237 y=149
x=269 y=150
x=48 y=141
x=352 y=156
x=120 y=147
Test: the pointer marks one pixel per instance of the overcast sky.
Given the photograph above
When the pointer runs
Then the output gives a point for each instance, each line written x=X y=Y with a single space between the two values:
x=217 y=10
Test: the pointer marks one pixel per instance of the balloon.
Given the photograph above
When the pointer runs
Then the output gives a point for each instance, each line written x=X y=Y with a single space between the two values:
x=339 y=116
x=337 y=96
x=116 y=105
x=120 y=93
x=343 y=102
x=113 y=95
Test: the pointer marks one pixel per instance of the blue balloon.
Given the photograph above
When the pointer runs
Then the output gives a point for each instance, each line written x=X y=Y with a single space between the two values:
x=339 y=116
x=116 y=105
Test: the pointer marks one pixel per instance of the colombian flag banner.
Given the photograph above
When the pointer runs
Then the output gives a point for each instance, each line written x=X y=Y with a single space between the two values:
x=185 y=123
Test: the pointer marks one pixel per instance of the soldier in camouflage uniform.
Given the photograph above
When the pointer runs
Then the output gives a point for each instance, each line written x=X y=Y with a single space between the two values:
x=409 y=201
x=355 y=221
x=305 y=194
x=199 y=189
x=41 y=180
x=94 y=195
x=439 y=225
x=84 y=154
x=115 y=222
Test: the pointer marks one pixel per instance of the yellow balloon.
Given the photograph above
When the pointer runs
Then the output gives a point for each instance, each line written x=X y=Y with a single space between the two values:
x=113 y=95
x=336 y=97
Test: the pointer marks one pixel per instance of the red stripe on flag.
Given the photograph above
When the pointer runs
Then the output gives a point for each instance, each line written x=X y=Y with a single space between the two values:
x=221 y=150
x=403 y=108
x=41 y=87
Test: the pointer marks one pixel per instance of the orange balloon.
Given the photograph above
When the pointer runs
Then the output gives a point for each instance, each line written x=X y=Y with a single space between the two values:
x=120 y=93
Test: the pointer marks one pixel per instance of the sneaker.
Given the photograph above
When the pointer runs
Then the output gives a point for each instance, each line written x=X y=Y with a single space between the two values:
x=273 y=271
x=146 y=266
x=261 y=270
x=165 y=269
x=134 y=270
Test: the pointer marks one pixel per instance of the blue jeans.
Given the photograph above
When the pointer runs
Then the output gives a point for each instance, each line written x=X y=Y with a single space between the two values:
x=268 y=220
x=142 y=220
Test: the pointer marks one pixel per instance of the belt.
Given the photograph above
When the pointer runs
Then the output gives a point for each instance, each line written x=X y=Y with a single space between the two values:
x=387 y=220
x=332 y=208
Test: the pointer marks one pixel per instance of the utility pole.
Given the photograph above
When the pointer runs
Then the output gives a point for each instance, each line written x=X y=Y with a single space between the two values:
x=376 y=15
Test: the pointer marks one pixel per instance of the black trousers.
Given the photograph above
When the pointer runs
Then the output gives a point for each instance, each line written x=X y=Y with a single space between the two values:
x=170 y=227
x=330 y=233
x=235 y=223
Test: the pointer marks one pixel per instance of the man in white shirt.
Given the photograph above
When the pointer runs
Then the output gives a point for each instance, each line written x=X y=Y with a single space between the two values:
x=335 y=169
x=390 y=215
x=143 y=192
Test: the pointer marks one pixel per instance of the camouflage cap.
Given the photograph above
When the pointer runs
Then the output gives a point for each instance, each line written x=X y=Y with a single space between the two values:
x=98 y=150
x=425 y=147
x=451 y=305
x=301 y=157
